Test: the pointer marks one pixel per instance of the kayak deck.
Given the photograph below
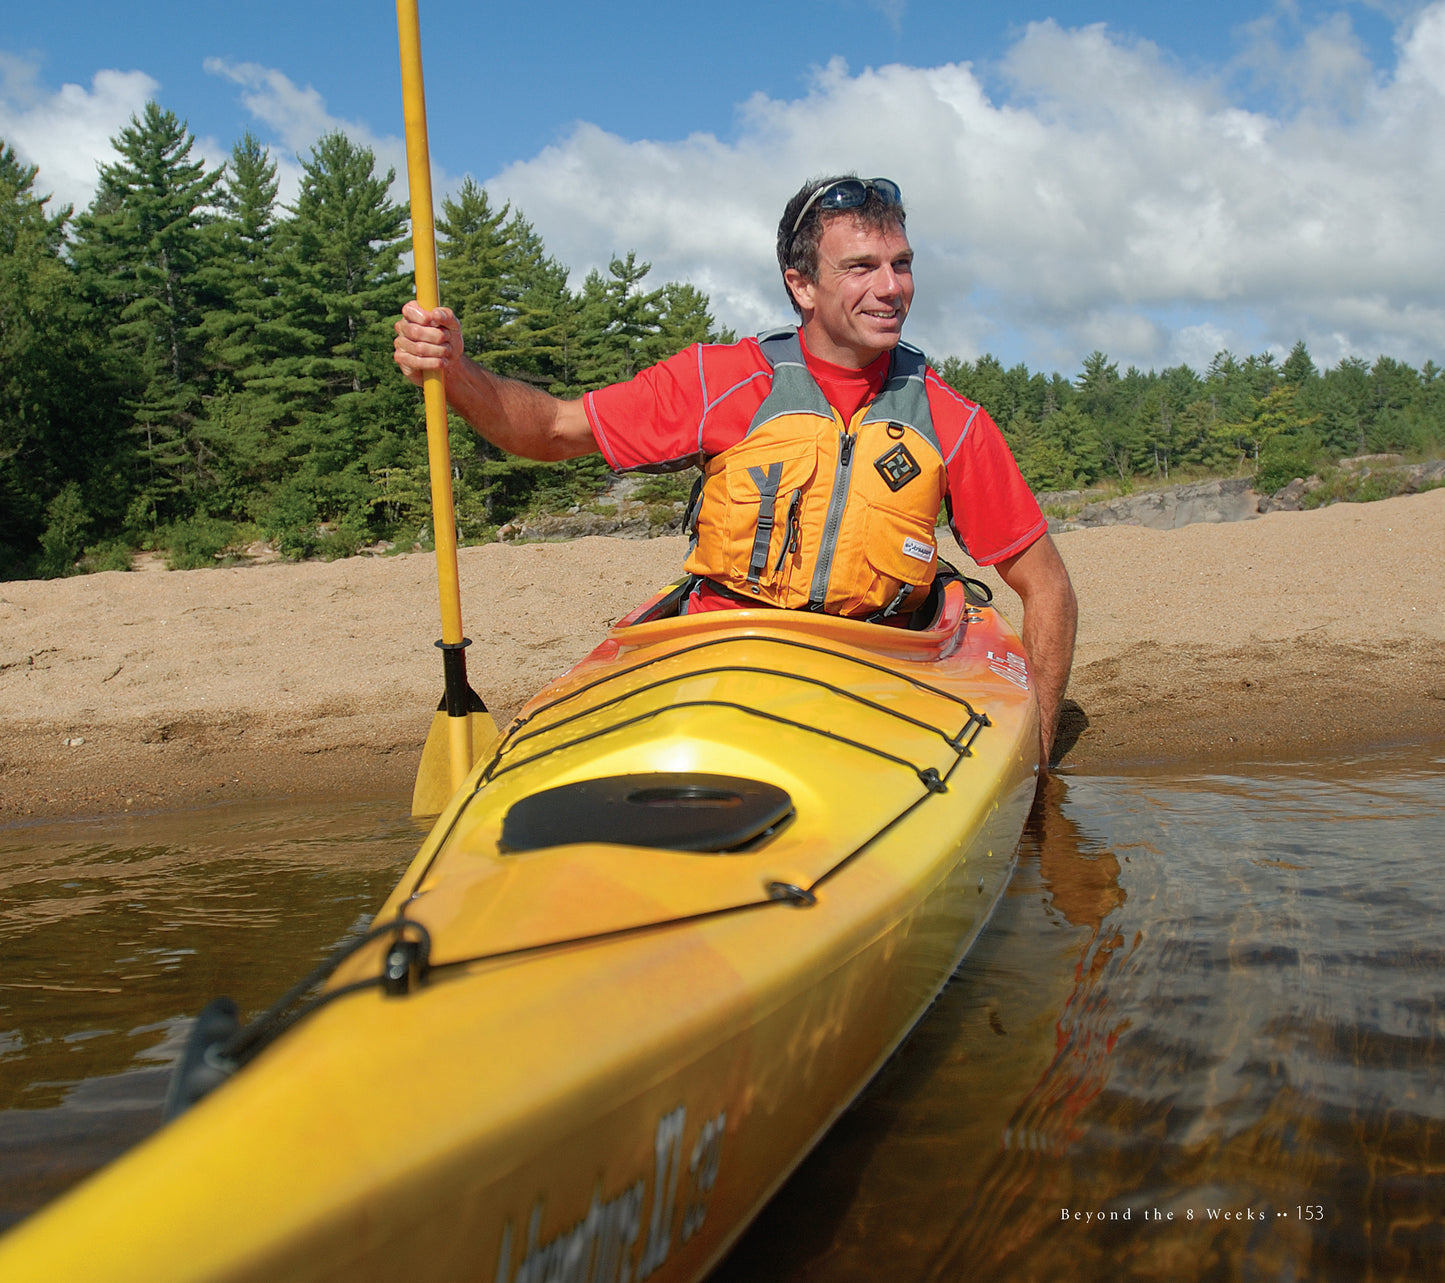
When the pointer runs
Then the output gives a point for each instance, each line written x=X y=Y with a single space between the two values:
x=675 y=702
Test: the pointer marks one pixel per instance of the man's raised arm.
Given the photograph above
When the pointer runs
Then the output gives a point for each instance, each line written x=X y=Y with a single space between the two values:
x=516 y=417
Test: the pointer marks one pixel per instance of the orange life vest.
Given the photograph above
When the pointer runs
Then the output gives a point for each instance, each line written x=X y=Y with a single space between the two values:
x=810 y=512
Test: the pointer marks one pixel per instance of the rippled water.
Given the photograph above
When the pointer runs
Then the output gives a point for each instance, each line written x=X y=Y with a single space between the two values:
x=1203 y=994
x=114 y=934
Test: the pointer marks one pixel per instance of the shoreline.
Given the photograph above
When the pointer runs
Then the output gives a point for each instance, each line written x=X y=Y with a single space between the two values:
x=1286 y=637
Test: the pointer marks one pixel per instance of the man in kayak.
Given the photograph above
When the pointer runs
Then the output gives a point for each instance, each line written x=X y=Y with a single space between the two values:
x=826 y=449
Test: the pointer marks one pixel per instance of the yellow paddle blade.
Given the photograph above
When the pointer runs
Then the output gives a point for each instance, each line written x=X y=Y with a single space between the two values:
x=434 y=784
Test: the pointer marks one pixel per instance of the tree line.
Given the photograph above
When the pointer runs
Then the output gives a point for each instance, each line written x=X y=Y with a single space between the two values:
x=187 y=365
x=1272 y=419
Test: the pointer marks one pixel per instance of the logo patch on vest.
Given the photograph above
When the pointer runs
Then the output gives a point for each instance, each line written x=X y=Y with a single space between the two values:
x=917 y=549
x=897 y=467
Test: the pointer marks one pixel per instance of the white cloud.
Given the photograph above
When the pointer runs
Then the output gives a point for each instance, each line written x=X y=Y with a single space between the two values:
x=1328 y=67
x=297 y=118
x=1107 y=192
x=67 y=132
x=1094 y=194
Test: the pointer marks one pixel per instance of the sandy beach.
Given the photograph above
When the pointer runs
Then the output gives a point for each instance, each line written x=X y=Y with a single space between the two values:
x=1290 y=636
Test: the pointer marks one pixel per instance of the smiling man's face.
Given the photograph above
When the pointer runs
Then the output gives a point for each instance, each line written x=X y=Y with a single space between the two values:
x=854 y=311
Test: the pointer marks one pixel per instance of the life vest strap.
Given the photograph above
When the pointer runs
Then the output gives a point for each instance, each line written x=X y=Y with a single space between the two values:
x=694 y=507
x=903 y=595
x=767 y=483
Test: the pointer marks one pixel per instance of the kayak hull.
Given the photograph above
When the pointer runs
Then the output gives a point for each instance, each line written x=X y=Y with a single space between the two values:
x=617 y=1053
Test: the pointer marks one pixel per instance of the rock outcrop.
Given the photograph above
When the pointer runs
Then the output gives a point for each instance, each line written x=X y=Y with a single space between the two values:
x=619 y=514
x=1232 y=499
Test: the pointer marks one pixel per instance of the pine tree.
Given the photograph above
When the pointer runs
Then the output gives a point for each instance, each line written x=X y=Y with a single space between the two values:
x=343 y=249
x=1109 y=404
x=474 y=253
x=1298 y=369
x=339 y=284
x=1228 y=386
x=239 y=278
x=1343 y=404
x=1061 y=452
x=59 y=427
x=141 y=249
x=1162 y=416
x=684 y=320
x=1427 y=408
x=241 y=295
x=540 y=342
x=980 y=381
x=1393 y=387
x=1098 y=386
x=619 y=322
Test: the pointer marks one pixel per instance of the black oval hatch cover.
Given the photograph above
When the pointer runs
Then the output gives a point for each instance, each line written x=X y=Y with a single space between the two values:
x=678 y=812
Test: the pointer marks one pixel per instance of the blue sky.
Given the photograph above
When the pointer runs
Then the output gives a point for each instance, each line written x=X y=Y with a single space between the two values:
x=1157 y=181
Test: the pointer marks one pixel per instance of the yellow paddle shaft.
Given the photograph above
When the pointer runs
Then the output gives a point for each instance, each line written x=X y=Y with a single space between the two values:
x=423 y=233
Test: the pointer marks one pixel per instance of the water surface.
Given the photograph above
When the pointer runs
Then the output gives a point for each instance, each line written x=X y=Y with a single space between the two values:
x=1203 y=994
x=115 y=933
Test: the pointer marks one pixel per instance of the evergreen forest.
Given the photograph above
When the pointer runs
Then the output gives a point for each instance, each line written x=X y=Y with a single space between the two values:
x=188 y=366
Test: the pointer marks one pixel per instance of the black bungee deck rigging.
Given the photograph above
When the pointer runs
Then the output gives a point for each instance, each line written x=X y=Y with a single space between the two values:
x=220 y=1045
x=959 y=742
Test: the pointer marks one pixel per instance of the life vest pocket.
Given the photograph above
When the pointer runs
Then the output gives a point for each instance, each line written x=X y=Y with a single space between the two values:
x=749 y=529
x=899 y=554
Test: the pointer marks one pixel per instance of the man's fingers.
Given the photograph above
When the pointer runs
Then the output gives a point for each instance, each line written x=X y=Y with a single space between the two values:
x=416 y=339
x=425 y=340
x=441 y=318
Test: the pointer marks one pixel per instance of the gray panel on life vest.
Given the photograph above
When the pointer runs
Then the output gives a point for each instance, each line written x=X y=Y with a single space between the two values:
x=904 y=397
x=794 y=390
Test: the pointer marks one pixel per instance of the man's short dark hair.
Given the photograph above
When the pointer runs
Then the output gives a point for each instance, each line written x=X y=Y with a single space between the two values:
x=800 y=251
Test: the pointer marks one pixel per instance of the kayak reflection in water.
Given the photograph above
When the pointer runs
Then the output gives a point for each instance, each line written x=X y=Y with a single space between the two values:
x=1026 y=1182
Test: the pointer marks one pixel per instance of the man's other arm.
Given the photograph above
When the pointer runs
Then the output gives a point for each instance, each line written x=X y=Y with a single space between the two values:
x=518 y=418
x=1051 y=617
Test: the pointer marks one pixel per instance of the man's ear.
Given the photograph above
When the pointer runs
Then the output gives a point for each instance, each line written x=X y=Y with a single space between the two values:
x=801 y=288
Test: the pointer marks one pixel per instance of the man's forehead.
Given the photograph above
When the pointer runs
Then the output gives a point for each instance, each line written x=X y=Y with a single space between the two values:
x=845 y=235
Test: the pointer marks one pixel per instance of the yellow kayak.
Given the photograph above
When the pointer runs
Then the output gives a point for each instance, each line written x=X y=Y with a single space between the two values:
x=680 y=913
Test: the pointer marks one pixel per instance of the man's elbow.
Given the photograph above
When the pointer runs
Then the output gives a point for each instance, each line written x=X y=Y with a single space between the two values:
x=1058 y=604
x=1068 y=598
x=568 y=435
x=1040 y=578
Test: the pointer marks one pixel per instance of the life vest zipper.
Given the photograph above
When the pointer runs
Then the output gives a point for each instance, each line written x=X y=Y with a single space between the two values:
x=837 y=502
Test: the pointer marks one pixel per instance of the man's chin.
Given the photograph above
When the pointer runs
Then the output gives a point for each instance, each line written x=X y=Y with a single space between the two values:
x=885 y=333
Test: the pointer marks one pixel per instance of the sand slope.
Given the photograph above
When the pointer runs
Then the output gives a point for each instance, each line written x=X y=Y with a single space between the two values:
x=1284 y=636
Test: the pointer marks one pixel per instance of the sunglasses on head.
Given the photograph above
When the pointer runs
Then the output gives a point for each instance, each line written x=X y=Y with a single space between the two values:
x=845 y=193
